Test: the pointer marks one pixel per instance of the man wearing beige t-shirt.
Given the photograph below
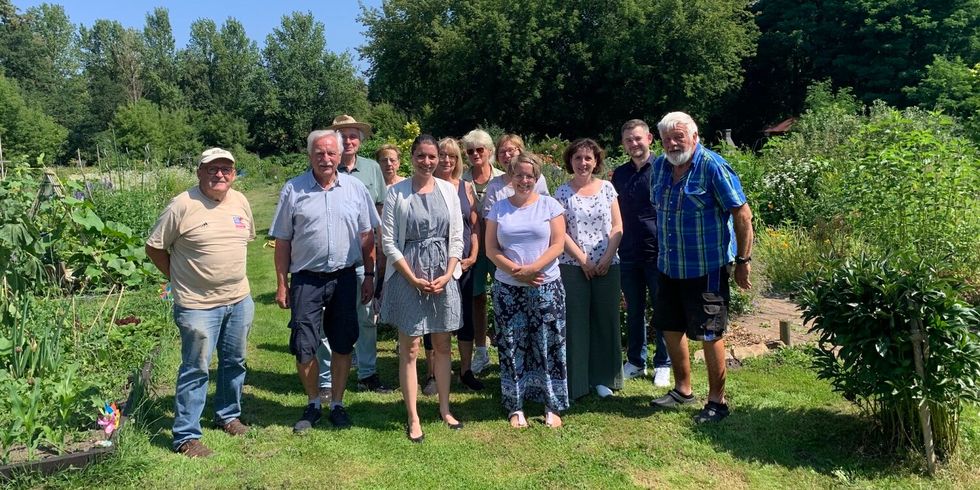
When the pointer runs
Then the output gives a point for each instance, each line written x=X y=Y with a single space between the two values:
x=199 y=243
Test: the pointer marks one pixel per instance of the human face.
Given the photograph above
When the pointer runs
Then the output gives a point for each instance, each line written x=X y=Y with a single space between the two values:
x=324 y=158
x=447 y=163
x=389 y=163
x=679 y=145
x=583 y=163
x=637 y=143
x=523 y=178
x=215 y=177
x=507 y=152
x=424 y=159
x=352 y=141
x=477 y=155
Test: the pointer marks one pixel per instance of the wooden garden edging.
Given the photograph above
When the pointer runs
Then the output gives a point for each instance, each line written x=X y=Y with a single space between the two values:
x=92 y=455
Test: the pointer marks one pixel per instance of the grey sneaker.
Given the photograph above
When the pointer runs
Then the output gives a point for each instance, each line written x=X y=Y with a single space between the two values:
x=673 y=399
x=310 y=418
x=430 y=387
x=480 y=362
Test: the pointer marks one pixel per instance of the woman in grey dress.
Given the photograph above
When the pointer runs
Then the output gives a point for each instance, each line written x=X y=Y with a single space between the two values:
x=422 y=237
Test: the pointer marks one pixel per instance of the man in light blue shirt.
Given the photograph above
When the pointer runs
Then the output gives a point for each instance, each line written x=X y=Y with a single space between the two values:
x=324 y=229
x=369 y=173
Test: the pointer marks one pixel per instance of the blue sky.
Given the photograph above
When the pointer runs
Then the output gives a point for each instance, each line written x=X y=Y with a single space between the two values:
x=343 y=32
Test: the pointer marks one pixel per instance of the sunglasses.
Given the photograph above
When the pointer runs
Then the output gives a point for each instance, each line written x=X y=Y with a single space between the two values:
x=473 y=151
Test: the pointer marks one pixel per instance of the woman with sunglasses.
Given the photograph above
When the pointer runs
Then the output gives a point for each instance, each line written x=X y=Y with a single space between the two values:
x=479 y=153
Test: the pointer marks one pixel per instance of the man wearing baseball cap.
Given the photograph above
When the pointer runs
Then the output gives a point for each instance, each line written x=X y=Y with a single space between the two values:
x=199 y=243
x=369 y=173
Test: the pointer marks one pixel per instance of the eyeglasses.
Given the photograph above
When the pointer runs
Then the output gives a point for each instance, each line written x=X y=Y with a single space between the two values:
x=224 y=170
x=479 y=149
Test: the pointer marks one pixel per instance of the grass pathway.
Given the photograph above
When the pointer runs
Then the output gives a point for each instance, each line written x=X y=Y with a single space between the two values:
x=787 y=430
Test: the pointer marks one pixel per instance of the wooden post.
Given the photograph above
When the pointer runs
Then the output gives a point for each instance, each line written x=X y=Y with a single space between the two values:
x=3 y=163
x=784 y=333
x=925 y=415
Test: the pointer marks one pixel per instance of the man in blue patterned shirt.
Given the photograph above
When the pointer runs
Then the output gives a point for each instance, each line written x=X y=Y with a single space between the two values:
x=705 y=233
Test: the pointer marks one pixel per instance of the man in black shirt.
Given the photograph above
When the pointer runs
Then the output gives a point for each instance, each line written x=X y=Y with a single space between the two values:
x=638 y=251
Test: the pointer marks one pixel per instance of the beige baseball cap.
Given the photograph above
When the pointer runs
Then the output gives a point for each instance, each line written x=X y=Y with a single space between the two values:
x=212 y=154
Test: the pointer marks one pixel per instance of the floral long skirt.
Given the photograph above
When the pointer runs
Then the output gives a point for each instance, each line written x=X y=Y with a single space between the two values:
x=531 y=343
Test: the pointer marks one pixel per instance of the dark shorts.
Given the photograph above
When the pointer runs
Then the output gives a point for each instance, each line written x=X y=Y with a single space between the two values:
x=697 y=306
x=323 y=305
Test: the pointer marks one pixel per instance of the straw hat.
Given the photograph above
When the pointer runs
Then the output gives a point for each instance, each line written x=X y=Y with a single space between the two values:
x=344 y=121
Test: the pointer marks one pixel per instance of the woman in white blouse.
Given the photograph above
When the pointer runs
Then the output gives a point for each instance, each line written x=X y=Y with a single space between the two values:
x=590 y=273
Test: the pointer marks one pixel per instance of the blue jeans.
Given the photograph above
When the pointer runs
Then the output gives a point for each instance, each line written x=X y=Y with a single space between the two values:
x=638 y=279
x=366 y=348
x=224 y=328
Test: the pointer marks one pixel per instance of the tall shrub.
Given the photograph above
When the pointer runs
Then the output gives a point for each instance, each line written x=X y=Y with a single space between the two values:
x=864 y=312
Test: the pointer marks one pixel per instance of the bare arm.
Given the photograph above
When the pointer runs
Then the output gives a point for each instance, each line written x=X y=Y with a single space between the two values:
x=742 y=221
x=367 y=255
x=281 y=258
x=473 y=218
x=615 y=237
x=556 y=245
x=160 y=258
x=494 y=253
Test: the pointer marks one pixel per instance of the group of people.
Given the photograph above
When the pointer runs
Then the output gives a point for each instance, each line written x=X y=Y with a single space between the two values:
x=350 y=232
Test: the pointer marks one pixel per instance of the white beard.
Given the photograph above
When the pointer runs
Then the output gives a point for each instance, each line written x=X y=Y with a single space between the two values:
x=677 y=159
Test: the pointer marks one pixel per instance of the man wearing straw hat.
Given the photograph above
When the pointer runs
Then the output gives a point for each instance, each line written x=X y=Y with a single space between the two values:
x=199 y=244
x=369 y=173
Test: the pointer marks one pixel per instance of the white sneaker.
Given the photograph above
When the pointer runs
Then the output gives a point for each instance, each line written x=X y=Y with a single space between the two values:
x=630 y=371
x=661 y=377
x=603 y=391
x=480 y=361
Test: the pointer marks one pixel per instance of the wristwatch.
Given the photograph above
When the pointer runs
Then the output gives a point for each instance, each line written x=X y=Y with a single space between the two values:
x=742 y=260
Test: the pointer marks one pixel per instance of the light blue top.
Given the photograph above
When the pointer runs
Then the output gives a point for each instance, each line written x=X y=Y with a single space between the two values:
x=523 y=234
x=323 y=226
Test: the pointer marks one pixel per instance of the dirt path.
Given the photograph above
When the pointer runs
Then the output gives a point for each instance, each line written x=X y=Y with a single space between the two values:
x=762 y=324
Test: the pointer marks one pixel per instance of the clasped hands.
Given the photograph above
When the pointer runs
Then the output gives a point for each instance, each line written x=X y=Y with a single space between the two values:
x=435 y=286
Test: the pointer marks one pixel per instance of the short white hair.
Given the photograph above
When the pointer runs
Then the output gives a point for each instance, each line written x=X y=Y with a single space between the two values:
x=674 y=119
x=319 y=134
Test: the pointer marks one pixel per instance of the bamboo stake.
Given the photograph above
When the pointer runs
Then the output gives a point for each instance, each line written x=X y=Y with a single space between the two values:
x=925 y=415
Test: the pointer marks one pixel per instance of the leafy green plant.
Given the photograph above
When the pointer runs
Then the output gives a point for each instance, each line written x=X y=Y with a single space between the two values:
x=864 y=311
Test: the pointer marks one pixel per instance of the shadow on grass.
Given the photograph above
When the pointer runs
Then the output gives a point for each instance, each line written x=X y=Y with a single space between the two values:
x=267 y=298
x=825 y=441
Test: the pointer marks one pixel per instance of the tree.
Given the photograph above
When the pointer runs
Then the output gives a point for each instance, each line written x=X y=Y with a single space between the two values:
x=160 y=59
x=575 y=67
x=306 y=85
x=144 y=128
x=875 y=47
x=25 y=130
x=953 y=87
x=40 y=51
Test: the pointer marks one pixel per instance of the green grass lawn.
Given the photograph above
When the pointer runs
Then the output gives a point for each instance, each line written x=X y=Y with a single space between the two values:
x=787 y=430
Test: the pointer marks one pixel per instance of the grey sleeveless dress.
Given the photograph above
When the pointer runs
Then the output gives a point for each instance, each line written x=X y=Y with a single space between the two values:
x=426 y=252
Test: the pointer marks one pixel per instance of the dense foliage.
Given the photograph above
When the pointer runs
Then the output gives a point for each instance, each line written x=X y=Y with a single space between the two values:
x=555 y=67
x=867 y=313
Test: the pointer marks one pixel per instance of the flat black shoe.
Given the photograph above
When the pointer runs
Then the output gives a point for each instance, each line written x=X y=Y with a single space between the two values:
x=373 y=383
x=470 y=381
x=457 y=426
x=408 y=434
